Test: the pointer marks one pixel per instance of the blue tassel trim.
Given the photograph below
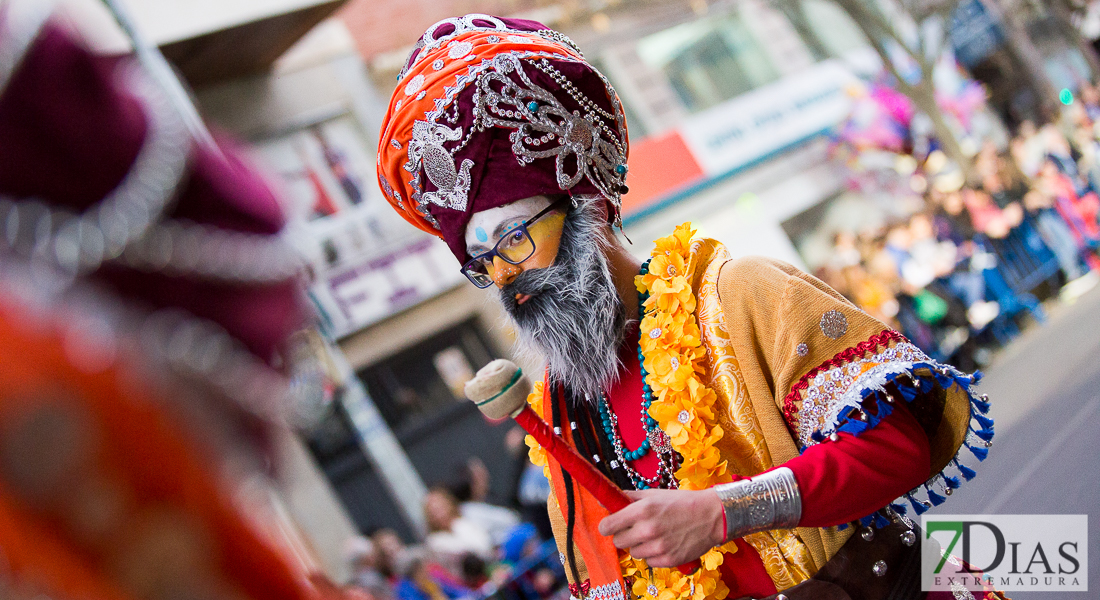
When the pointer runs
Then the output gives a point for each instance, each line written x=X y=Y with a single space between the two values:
x=966 y=471
x=981 y=403
x=875 y=407
x=982 y=420
x=919 y=506
x=933 y=497
x=985 y=434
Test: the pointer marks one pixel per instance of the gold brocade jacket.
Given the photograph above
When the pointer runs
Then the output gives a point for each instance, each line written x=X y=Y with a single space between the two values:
x=789 y=361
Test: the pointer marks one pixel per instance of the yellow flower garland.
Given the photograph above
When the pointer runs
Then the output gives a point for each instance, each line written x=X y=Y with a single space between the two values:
x=537 y=453
x=683 y=407
x=673 y=354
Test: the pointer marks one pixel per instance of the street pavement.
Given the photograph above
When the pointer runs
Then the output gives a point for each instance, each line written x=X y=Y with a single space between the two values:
x=1045 y=395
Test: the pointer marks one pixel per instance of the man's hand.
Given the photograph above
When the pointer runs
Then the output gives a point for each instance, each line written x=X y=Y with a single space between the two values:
x=667 y=527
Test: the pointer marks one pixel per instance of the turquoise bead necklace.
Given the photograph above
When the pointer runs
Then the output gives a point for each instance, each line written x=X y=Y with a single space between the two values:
x=654 y=435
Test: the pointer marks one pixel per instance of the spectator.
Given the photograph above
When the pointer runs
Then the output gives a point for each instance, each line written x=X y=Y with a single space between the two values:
x=845 y=251
x=870 y=293
x=452 y=535
x=415 y=580
x=1000 y=178
x=363 y=557
x=471 y=490
x=1079 y=214
x=1055 y=233
x=986 y=217
x=388 y=545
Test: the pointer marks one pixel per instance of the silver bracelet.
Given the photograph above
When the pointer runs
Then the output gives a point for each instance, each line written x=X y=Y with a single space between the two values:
x=768 y=501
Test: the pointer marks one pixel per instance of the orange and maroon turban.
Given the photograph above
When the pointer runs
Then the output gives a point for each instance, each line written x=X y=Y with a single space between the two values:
x=488 y=111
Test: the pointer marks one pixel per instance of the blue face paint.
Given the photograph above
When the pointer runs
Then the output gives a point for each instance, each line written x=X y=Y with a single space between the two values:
x=481 y=236
x=514 y=224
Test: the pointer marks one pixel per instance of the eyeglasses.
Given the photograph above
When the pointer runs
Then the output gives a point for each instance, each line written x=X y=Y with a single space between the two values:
x=514 y=247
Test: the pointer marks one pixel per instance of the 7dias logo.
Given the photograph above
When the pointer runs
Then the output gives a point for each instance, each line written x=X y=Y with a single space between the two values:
x=1041 y=553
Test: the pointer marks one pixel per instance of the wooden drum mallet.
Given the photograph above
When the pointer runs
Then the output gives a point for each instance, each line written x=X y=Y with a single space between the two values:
x=500 y=390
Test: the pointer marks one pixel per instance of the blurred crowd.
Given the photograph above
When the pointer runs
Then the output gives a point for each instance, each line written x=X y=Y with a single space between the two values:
x=474 y=548
x=959 y=275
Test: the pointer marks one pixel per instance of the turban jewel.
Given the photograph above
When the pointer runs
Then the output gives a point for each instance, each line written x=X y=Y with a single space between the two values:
x=488 y=111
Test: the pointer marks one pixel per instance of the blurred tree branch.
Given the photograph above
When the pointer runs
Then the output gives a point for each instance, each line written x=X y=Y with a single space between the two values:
x=915 y=42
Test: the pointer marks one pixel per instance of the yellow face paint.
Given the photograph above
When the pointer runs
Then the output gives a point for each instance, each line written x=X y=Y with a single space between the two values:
x=546 y=235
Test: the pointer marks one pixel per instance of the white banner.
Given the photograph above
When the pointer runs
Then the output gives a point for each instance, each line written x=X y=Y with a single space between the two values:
x=757 y=123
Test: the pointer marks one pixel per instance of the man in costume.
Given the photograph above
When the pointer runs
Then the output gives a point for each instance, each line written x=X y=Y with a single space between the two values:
x=766 y=424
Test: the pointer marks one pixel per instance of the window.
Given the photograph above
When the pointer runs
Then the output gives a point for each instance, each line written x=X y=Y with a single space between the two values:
x=708 y=62
x=833 y=27
x=423 y=384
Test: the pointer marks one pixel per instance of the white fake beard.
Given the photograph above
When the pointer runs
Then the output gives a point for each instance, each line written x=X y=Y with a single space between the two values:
x=574 y=319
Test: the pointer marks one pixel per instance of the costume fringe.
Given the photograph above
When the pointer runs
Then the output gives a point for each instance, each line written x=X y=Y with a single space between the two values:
x=917 y=379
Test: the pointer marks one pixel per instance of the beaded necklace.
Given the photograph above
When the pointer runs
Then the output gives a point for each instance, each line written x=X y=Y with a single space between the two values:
x=655 y=438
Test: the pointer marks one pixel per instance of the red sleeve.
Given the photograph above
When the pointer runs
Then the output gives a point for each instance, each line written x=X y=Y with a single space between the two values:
x=854 y=476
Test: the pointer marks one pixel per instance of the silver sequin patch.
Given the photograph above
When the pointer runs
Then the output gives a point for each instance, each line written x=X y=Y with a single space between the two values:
x=960 y=591
x=829 y=392
x=802 y=349
x=458 y=26
x=459 y=49
x=683 y=417
x=426 y=150
x=437 y=64
x=655 y=333
x=414 y=85
x=388 y=189
x=834 y=324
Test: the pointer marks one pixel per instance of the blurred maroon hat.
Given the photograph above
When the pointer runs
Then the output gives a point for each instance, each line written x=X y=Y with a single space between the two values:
x=161 y=220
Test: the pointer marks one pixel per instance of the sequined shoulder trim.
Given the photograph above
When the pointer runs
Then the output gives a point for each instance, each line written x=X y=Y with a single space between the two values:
x=860 y=350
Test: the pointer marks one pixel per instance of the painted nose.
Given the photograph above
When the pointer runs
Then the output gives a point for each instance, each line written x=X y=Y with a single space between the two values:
x=504 y=272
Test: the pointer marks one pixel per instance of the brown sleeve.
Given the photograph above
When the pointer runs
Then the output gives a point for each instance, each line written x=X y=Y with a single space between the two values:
x=815 y=366
x=784 y=323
